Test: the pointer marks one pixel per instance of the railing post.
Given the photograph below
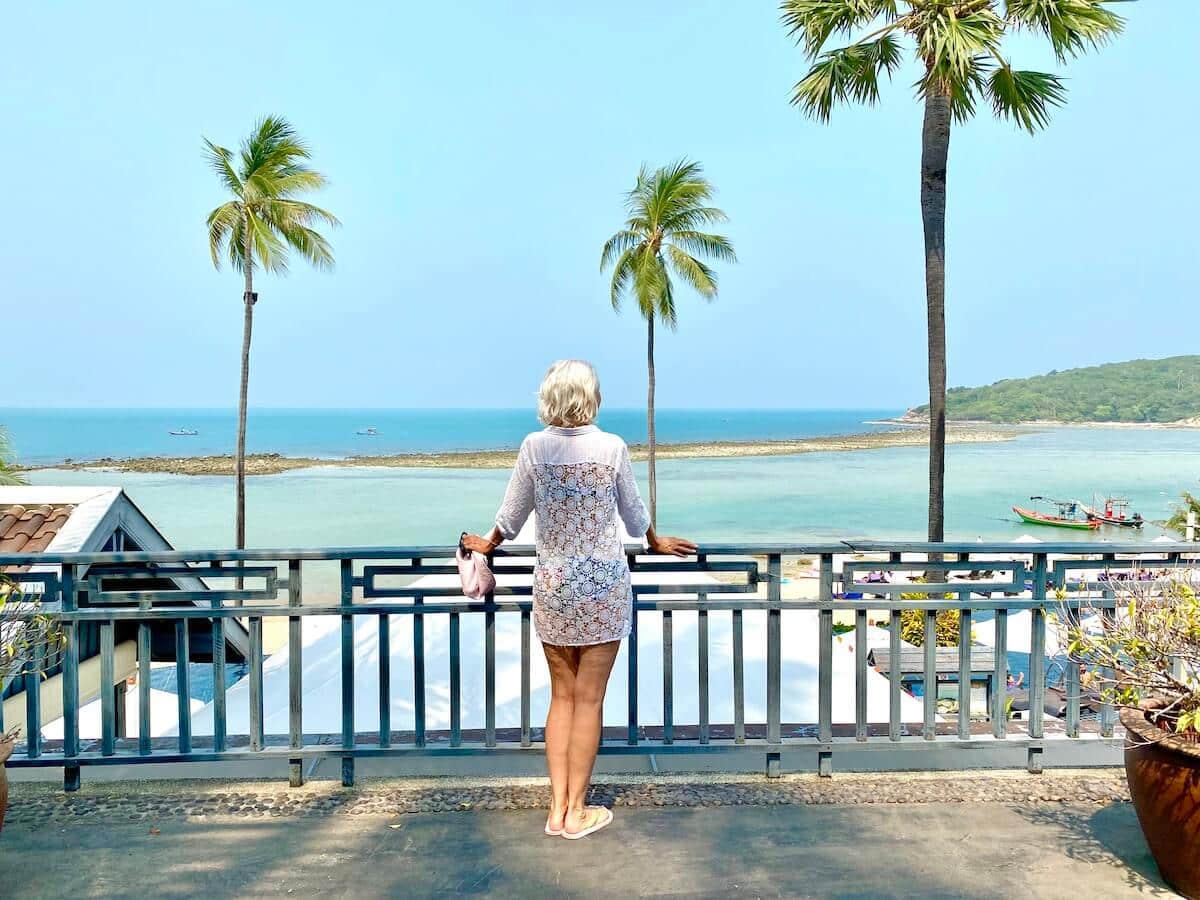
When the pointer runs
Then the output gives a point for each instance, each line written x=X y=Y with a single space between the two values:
x=108 y=714
x=964 y=669
x=418 y=670
x=183 y=684
x=489 y=667
x=1037 y=662
x=256 y=683
x=71 y=771
x=145 y=652
x=631 y=736
x=295 y=679
x=347 y=599
x=704 y=731
x=526 y=678
x=825 y=669
x=218 y=664
x=895 y=676
x=668 y=664
x=774 y=634
x=455 y=681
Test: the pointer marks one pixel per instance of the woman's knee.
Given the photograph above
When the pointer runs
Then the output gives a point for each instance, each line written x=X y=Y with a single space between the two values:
x=589 y=693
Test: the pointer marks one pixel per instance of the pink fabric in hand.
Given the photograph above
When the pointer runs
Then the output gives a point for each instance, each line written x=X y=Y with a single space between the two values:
x=477 y=578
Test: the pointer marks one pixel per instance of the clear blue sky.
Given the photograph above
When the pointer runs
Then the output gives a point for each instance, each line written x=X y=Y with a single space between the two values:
x=478 y=153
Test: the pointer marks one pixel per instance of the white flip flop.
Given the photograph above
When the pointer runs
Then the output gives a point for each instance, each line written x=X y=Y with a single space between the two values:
x=603 y=822
x=553 y=832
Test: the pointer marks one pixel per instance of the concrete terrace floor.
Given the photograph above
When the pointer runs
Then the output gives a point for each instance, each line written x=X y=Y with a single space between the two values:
x=834 y=846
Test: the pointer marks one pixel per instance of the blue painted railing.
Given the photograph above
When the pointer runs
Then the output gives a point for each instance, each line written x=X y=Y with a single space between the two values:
x=737 y=578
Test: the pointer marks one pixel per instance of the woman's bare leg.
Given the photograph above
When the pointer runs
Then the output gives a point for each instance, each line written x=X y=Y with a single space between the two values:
x=563 y=663
x=591 y=680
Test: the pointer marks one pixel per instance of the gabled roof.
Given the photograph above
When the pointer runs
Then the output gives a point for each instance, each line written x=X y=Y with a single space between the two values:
x=81 y=519
x=30 y=529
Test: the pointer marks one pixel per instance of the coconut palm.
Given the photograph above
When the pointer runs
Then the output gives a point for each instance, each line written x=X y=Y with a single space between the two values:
x=1179 y=515
x=663 y=236
x=257 y=228
x=7 y=475
x=958 y=48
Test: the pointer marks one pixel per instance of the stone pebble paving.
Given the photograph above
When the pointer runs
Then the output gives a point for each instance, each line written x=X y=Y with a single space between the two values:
x=200 y=801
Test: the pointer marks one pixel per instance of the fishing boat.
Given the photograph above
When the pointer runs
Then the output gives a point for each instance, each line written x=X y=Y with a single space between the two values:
x=1115 y=511
x=1068 y=515
x=368 y=432
x=183 y=432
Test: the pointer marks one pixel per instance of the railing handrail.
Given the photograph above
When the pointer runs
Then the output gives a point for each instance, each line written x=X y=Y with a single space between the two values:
x=442 y=551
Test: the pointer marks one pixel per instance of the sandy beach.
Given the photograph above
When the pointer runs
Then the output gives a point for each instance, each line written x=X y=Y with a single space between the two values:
x=273 y=463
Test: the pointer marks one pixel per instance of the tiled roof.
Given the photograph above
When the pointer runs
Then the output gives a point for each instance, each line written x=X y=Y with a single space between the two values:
x=30 y=529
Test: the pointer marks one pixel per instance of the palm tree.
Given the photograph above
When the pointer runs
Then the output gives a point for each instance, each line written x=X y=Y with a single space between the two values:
x=958 y=48
x=7 y=475
x=256 y=229
x=668 y=208
x=1179 y=515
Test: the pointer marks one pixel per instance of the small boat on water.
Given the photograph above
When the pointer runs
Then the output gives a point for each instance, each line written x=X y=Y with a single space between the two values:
x=183 y=432
x=1067 y=517
x=1115 y=511
x=368 y=432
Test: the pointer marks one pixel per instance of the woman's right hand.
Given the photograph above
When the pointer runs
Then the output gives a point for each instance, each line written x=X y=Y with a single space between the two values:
x=665 y=545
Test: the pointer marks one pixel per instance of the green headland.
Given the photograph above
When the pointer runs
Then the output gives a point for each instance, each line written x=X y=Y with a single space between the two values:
x=1140 y=390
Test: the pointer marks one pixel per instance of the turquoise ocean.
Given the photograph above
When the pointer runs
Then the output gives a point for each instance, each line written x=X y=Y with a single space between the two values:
x=807 y=497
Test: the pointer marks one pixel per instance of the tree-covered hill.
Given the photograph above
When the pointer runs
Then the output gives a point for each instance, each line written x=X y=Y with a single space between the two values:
x=1141 y=390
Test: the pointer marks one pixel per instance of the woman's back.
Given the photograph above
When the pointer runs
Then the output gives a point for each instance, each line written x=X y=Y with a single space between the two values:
x=579 y=481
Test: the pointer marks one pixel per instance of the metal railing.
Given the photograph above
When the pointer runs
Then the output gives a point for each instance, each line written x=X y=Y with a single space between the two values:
x=978 y=579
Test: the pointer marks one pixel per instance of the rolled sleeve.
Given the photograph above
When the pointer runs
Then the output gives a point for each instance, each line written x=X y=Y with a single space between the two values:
x=518 y=499
x=630 y=507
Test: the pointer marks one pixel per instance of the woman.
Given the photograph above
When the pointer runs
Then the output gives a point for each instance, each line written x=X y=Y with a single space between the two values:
x=579 y=481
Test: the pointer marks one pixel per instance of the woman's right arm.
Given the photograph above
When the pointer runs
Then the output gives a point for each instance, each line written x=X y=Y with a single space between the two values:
x=514 y=509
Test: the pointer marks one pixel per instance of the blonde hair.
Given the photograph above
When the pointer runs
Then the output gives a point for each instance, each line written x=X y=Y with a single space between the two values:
x=569 y=395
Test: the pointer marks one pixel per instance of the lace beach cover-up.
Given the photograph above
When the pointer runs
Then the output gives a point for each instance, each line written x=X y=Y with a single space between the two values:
x=578 y=481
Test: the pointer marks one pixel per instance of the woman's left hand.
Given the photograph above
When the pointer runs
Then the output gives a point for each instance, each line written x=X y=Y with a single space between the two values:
x=477 y=544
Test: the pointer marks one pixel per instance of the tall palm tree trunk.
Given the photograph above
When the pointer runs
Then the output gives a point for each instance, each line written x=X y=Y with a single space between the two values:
x=935 y=150
x=650 y=419
x=248 y=298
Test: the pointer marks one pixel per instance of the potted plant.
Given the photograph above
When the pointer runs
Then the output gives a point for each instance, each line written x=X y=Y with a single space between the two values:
x=1144 y=657
x=30 y=642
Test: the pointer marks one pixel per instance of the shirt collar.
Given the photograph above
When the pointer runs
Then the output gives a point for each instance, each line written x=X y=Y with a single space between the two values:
x=580 y=429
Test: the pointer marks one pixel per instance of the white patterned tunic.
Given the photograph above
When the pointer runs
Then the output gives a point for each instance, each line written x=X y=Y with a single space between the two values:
x=579 y=481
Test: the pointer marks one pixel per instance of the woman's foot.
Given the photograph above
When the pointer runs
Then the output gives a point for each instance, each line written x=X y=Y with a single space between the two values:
x=580 y=823
x=555 y=821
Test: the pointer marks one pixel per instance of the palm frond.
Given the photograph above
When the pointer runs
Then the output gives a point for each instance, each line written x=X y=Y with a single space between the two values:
x=666 y=296
x=268 y=248
x=649 y=281
x=1072 y=26
x=616 y=246
x=951 y=44
x=848 y=73
x=1025 y=97
x=813 y=22
x=702 y=279
x=221 y=222
x=623 y=275
x=7 y=475
x=962 y=90
x=716 y=246
x=219 y=160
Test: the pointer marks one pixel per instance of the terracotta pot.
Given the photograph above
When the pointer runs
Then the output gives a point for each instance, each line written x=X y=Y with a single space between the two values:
x=1164 y=781
x=6 y=749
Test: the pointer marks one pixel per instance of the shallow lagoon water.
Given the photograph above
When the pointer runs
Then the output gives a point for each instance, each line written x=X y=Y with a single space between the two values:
x=804 y=498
